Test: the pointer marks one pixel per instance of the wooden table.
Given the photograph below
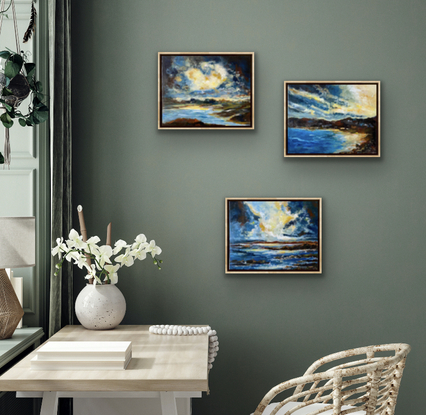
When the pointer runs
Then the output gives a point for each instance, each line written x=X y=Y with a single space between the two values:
x=165 y=367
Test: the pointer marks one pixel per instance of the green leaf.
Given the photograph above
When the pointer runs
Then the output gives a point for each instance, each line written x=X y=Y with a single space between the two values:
x=5 y=117
x=22 y=122
x=40 y=96
x=5 y=54
x=6 y=92
x=1 y=159
x=43 y=108
x=8 y=107
x=39 y=86
x=12 y=69
x=6 y=120
x=30 y=69
x=40 y=116
x=18 y=59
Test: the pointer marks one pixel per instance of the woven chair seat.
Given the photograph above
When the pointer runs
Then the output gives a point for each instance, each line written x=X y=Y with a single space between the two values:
x=307 y=409
x=359 y=381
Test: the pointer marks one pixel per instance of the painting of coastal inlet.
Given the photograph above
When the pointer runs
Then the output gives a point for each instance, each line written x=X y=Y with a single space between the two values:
x=323 y=119
x=205 y=91
x=273 y=236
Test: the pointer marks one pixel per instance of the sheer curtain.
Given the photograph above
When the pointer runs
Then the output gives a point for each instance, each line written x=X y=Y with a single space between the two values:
x=61 y=287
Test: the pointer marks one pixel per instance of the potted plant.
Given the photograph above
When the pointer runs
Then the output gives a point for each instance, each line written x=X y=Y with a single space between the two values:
x=17 y=82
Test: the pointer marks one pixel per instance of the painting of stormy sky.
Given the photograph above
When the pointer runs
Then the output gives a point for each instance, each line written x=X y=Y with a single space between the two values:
x=206 y=77
x=206 y=91
x=332 y=101
x=273 y=221
x=332 y=119
x=276 y=235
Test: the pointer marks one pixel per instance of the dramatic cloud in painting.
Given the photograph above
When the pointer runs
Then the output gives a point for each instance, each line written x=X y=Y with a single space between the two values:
x=274 y=221
x=273 y=235
x=332 y=102
x=206 y=91
x=339 y=119
x=206 y=77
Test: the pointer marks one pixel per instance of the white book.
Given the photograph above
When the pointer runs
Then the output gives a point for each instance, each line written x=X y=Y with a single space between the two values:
x=37 y=364
x=85 y=351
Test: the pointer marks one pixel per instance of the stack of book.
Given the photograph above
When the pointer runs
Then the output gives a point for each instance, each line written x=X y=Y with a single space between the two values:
x=107 y=355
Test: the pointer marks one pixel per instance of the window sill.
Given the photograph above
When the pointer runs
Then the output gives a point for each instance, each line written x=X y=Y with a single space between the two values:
x=21 y=340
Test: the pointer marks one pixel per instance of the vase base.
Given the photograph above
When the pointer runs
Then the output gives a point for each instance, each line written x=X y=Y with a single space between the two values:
x=100 y=307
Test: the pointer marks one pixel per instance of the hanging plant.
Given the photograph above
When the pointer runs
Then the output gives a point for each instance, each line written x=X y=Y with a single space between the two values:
x=17 y=82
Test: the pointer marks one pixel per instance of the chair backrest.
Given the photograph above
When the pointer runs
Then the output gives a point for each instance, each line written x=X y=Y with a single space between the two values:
x=364 y=379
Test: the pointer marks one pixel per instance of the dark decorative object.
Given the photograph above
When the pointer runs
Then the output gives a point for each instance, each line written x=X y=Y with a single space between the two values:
x=31 y=27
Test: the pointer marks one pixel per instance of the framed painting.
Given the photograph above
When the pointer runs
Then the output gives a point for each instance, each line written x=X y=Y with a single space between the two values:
x=332 y=119
x=206 y=90
x=273 y=235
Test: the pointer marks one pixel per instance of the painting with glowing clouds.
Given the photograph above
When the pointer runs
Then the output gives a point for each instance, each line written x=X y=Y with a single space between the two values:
x=273 y=235
x=206 y=90
x=332 y=119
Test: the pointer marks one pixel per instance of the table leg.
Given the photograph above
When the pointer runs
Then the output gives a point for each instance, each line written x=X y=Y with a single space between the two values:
x=168 y=403
x=49 y=404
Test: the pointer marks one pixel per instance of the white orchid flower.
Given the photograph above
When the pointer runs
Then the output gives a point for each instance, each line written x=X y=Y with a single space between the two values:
x=154 y=249
x=112 y=272
x=140 y=242
x=119 y=245
x=104 y=255
x=73 y=256
x=91 y=245
x=75 y=240
x=76 y=251
x=91 y=273
x=59 y=248
x=139 y=253
x=125 y=259
x=82 y=261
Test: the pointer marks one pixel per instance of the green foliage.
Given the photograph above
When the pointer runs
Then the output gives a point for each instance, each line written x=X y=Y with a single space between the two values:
x=38 y=112
x=5 y=54
x=1 y=159
x=6 y=119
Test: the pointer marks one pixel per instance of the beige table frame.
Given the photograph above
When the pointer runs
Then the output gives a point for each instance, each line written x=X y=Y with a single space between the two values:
x=164 y=367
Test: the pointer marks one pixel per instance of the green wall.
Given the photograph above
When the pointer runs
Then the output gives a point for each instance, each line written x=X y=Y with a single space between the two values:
x=171 y=185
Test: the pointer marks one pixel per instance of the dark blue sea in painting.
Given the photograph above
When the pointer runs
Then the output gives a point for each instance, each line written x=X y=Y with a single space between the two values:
x=312 y=141
x=274 y=235
x=206 y=115
x=275 y=256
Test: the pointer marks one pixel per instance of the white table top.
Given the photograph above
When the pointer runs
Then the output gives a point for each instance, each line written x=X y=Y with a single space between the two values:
x=159 y=363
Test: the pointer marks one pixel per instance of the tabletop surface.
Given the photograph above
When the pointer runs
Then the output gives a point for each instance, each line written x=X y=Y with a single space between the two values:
x=159 y=363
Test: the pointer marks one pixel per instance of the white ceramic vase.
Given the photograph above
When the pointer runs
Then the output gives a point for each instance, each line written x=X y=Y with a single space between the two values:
x=100 y=307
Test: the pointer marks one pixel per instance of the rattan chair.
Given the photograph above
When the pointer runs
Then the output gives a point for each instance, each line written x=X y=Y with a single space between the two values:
x=358 y=381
